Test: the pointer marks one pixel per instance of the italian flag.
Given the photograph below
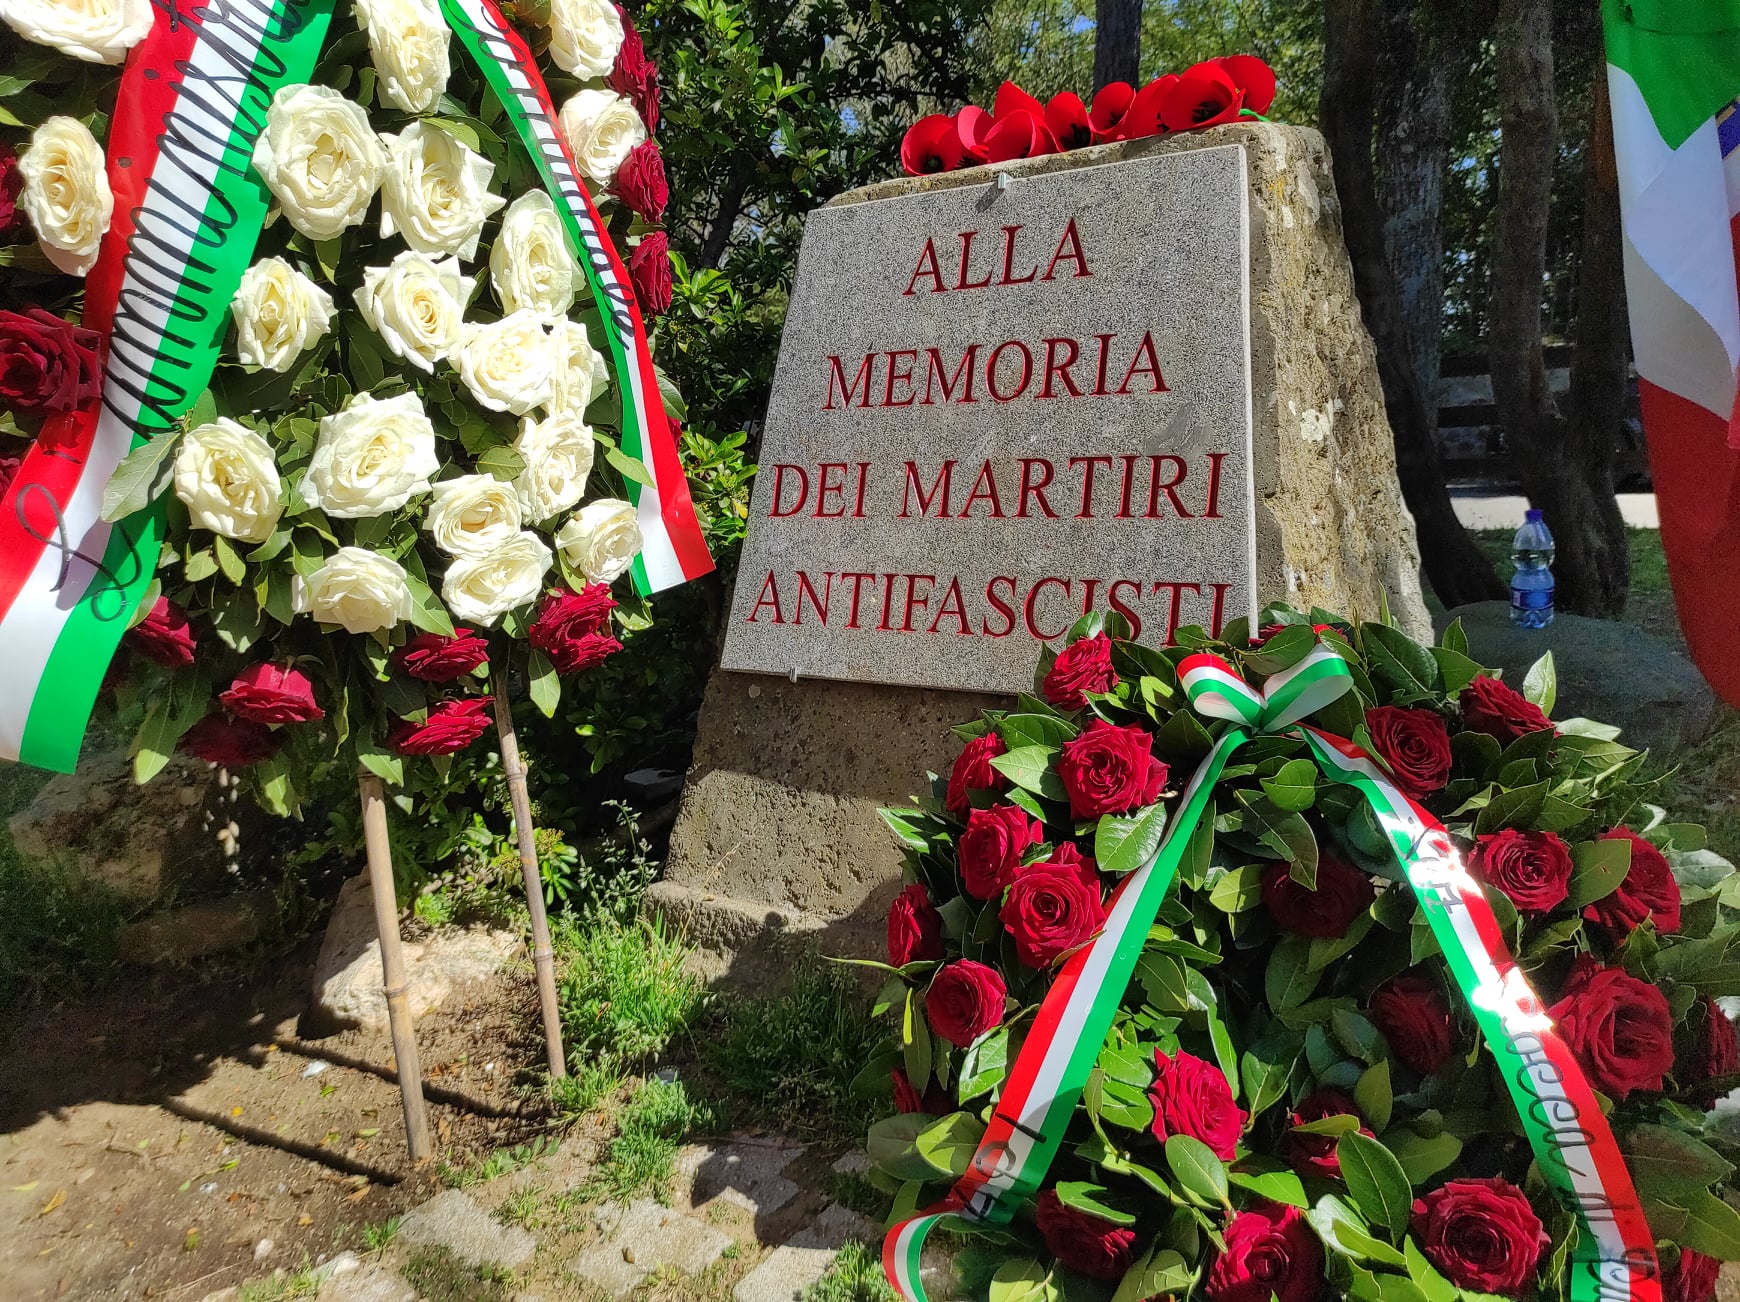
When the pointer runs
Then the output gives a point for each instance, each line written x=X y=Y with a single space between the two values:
x=1673 y=71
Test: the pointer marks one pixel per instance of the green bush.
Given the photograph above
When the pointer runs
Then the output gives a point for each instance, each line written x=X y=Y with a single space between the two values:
x=624 y=994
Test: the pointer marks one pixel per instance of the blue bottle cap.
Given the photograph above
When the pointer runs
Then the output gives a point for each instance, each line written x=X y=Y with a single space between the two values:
x=1532 y=516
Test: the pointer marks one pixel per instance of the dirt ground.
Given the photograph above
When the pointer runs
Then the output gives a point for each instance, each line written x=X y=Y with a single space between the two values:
x=154 y=1156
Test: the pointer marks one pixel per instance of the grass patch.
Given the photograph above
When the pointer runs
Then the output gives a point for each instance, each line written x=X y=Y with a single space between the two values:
x=588 y=1086
x=58 y=928
x=650 y=1127
x=304 y=1283
x=855 y=1276
x=377 y=1238
x=624 y=995
x=439 y=1276
x=504 y=1161
x=792 y=1057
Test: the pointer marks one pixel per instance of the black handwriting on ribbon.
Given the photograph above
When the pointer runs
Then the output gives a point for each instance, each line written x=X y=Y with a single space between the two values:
x=107 y=599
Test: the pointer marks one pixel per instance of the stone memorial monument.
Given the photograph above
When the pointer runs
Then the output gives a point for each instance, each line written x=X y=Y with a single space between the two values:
x=1129 y=378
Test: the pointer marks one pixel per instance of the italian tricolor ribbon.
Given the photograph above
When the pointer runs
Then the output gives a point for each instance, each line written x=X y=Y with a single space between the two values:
x=1614 y=1256
x=674 y=550
x=188 y=212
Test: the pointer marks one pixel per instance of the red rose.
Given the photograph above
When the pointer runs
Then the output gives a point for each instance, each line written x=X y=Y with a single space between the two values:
x=1271 y=1252
x=1110 y=770
x=1191 y=1097
x=572 y=628
x=1481 y=1235
x=269 y=693
x=1081 y=667
x=1066 y=117
x=1106 y=118
x=990 y=849
x=635 y=76
x=1533 y=869
x=649 y=267
x=1312 y=1154
x=914 y=927
x=1415 y=1020
x=1254 y=78
x=1690 y=1279
x=11 y=184
x=973 y=772
x=1203 y=96
x=1712 y=1054
x=233 y=743
x=964 y=1001
x=451 y=726
x=9 y=468
x=1648 y=891
x=164 y=635
x=1618 y=1027
x=932 y=145
x=1053 y=907
x=1489 y=706
x=935 y=1100
x=1342 y=894
x=437 y=659
x=47 y=364
x=1416 y=746
x=1087 y=1244
x=640 y=181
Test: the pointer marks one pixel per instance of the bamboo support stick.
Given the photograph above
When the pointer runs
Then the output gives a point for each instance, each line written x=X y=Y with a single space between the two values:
x=410 y=1071
x=543 y=957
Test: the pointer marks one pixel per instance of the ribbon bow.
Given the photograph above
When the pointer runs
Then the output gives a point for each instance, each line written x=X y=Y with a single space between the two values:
x=1613 y=1259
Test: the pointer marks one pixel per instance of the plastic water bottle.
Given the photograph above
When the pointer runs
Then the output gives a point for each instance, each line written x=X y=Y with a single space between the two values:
x=1531 y=586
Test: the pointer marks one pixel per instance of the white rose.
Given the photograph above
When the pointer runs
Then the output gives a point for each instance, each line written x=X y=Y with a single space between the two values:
x=530 y=265
x=580 y=371
x=66 y=193
x=601 y=540
x=408 y=44
x=437 y=191
x=97 y=31
x=481 y=587
x=279 y=312
x=602 y=127
x=225 y=473
x=371 y=457
x=472 y=514
x=361 y=590
x=584 y=36
x=509 y=364
x=558 y=456
x=320 y=159
x=416 y=306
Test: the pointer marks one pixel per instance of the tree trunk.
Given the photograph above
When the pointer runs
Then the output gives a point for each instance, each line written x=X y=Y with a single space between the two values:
x=1566 y=465
x=1117 y=41
x=724 y=223
x=1457 y=569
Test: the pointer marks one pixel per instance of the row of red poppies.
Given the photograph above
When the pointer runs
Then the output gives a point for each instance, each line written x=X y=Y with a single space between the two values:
x=1019 y=126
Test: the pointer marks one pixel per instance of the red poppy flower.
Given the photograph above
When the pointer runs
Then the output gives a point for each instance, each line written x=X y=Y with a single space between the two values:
x=1251 y=75
x=1204 y=96
x=1011 y=99
x=972 y=125
x=1110 y=105
x=1020 y=135
x=1066 y=117
x=1143 y=117
x=931 y=145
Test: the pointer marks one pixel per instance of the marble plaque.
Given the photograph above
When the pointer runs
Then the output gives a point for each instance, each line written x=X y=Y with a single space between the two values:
x=997 y=406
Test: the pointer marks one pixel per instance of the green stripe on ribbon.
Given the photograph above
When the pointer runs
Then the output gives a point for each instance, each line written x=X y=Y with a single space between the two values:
x=1684 y=56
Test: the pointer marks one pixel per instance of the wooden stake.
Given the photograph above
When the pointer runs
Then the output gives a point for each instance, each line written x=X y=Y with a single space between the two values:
x=410 y=1071
x=543 y=957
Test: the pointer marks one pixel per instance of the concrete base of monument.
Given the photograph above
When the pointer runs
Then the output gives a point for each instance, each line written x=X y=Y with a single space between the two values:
x=778 y=847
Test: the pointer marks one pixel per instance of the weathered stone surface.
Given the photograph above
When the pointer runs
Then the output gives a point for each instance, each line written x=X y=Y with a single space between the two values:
x=138 y=840
x=641 y=1237
x=195 y=931
x=453 y=1221
x=1598 y=663
x=779 y=814
x=370 y=1284
x=347 y=973
x=748 y=1175
x=603 y=1267
x=795 y=1265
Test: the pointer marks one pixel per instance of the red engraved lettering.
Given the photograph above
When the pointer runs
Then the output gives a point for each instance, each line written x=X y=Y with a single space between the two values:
x=857 y=579
x=1105 y=354
x=863 y=483
x=779 y=491
x=837 y=376
x=1069 y=250
x=1145 y=349
x=1009 y=276
x=991 y=370
x=1113 y=600
x=1002 y=607
x=1032 y=600
x=1177 y=590
x=806 y=588
x=887 y=602
x=895 y=376
x=769 y=597
x=1055 y=366
x=824 y=486
x=915 y=601
x=1124 y=493
x=967 y=238
x=1214 y=460
x=1088 y=465
x=985 y=486
x=1170 y=487
x=934 y=376
x=953 y=604
x=1215 y=620
x=914 y=489
x=1089 y=587
x=1036 y=488
x=926 y=267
